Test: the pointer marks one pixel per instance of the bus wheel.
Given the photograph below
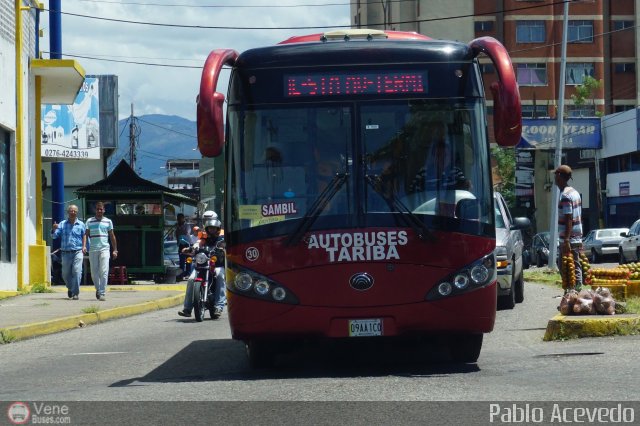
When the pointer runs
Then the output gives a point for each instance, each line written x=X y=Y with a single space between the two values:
x=466 y=348
x=260 y=354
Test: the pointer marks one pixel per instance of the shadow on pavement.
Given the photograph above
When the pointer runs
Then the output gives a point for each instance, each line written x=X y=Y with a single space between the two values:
x=225 y=360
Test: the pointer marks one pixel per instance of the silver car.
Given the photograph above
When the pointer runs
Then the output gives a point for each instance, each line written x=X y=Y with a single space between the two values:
x=602 y=242
x=509 y=248
x=629 y=248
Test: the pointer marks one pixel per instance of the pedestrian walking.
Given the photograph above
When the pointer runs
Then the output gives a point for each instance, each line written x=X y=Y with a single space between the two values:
x=569 y=225
x=71 y=233
x=99 y=232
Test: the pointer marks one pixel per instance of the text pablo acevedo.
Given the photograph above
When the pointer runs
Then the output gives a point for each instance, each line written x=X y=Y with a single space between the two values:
x=558 y=413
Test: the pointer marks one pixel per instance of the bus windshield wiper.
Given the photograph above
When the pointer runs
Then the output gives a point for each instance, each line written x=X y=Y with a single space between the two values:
x=317 y=207
x=406 y=215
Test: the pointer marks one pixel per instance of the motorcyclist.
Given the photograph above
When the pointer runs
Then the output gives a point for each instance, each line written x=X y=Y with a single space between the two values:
x=213 y=228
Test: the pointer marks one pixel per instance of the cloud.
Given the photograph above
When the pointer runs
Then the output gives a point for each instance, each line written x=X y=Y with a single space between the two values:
x=167 y=90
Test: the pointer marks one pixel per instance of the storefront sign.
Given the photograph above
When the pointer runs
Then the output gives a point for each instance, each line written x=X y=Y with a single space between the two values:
x=579 y=133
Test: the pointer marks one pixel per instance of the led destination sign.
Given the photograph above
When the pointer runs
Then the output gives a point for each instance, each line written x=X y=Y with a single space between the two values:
x=342 y=84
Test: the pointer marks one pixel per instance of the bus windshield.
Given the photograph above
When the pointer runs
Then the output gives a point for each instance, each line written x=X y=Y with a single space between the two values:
x=359 y=163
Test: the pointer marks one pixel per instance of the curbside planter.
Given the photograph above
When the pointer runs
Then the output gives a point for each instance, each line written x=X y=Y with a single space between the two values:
x=563 y=327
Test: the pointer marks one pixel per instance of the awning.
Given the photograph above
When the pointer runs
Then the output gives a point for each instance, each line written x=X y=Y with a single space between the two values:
x=61 y=79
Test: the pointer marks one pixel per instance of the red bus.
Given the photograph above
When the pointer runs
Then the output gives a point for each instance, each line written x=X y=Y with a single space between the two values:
x=358 y=195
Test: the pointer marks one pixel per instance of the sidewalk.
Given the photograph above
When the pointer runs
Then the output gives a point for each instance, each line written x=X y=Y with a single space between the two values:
x=35 y=314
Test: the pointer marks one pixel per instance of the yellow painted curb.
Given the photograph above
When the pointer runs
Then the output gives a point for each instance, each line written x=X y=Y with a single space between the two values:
x=142 y=287
x=7 y=294
x=570 y=327
x=21 y=332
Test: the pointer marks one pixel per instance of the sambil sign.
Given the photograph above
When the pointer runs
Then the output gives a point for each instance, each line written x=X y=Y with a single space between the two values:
x=579 y=133
x=72 y=132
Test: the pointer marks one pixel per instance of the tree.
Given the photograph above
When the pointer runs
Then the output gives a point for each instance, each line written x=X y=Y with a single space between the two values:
x=585 y=91
x=506 y=163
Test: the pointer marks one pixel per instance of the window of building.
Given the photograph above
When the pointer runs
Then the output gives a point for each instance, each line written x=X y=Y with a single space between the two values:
x=530 y=31
x=487 y=68
x=625 y=67
x=532 y=74
x=481 y=26
x=576 y=72
x=635 y=160
x=622 y=108
x=621 y=25
x=580 y=32
x=5 y=196
x=534 y=111
x=575 y=111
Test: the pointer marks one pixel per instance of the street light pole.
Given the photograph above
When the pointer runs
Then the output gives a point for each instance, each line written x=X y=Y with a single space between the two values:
x=553 y=248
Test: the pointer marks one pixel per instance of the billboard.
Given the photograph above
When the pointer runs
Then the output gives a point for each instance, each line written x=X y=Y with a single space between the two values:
x=579 y=133
x=72 y=132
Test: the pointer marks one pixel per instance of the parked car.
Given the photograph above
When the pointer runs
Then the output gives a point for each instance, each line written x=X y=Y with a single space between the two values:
x=540 y=248
x=602 y=242
x=628 y=249
x=171 y=256
x=509 y=259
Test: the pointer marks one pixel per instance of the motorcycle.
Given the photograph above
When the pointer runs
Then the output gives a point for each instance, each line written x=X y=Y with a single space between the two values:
x=207 y=263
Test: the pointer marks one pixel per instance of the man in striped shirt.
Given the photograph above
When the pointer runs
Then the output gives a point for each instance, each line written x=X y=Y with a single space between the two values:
x=99 y=231
x=569 y=220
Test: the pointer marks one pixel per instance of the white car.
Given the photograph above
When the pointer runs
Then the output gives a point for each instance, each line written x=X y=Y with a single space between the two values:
x=509 y=248
x=602 y=242
x=628 y=248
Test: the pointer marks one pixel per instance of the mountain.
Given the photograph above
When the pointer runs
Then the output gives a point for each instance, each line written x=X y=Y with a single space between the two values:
x=159 y=138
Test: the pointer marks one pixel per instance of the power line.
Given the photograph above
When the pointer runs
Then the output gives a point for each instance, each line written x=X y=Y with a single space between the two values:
x=235 y=6
x=157 y=24
x=168 y=129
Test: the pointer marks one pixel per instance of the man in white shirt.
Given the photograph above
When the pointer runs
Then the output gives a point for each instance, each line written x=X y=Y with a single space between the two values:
x=99 y=231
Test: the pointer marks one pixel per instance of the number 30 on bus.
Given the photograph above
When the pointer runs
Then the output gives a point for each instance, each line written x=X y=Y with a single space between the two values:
x=358 y=195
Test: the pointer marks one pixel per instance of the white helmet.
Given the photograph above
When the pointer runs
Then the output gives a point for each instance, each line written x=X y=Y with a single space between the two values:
x=209 y=214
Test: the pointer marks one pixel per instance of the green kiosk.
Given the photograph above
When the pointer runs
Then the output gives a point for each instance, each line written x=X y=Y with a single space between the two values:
x=143 y=215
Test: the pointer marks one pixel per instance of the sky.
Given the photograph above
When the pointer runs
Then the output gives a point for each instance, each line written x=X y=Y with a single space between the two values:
x=172 y=90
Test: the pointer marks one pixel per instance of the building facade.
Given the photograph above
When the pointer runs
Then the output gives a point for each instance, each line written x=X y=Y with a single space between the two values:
x=602 y=43
x=26 y=82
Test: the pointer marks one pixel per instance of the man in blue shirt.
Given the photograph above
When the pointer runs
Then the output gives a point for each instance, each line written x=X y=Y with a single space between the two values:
x=70 y=231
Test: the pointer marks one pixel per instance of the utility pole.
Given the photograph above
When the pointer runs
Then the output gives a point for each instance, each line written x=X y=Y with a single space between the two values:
x=132 y=140
x=553 y=224
x=57 y=167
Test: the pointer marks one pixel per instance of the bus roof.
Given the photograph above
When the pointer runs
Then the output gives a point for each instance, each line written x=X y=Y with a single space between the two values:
x=354 y=52
x=354 y=34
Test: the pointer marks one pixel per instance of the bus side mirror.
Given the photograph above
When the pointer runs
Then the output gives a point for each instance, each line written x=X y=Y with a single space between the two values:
x=209 y=103
x=507 y=111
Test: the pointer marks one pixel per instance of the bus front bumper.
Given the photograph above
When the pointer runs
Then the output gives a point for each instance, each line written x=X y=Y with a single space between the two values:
x=473 y=312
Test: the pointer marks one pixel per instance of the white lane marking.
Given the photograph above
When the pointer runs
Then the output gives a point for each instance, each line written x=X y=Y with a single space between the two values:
x=100 y=353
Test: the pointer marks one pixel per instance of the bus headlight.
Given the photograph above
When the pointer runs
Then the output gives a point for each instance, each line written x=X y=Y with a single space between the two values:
x=478 y=274
x=461 y=281
x=279 y=293
x=261 y=287
x=243 y=281
x=445 y=288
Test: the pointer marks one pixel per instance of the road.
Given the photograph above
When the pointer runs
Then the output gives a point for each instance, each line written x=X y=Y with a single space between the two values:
x=162 y=357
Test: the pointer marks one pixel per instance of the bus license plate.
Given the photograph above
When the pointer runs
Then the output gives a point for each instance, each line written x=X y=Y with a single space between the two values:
x=365 y=327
